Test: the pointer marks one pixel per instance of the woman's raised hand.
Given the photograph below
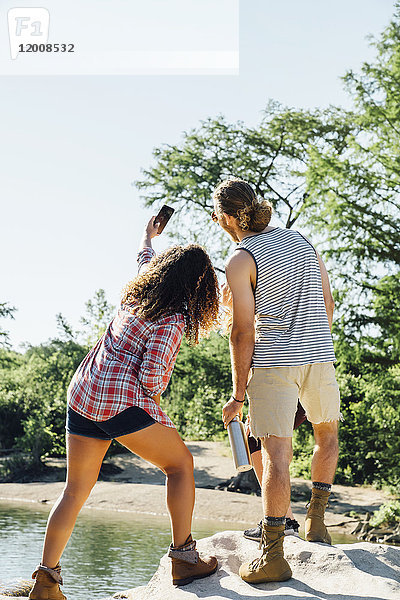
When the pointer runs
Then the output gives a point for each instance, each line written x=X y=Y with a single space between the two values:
x=151 y=228
x=150 y=231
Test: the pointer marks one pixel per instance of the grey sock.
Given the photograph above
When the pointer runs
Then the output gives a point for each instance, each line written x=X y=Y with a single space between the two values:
x=326 y=487
x=274 y=521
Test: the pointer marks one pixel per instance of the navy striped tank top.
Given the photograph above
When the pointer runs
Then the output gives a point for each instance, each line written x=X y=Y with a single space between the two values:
x=292 y=326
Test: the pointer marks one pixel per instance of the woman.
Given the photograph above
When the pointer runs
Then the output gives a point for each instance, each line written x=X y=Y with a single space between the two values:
x=115 y=394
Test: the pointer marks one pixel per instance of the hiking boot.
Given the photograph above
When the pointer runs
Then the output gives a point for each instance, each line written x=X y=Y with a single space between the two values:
x=292 y=527
x=187 y=564
x=254 y=534
x=315 y=528
x=47 y=584
x=271 y=566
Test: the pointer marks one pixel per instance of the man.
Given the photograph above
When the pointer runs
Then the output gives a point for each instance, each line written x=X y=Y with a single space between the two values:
x=277 y=278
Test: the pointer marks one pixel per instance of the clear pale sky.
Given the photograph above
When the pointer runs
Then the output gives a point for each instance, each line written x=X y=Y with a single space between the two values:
x=72 y=145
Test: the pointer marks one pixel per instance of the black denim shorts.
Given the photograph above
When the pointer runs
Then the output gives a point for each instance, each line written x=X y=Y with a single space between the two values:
x=128 y=421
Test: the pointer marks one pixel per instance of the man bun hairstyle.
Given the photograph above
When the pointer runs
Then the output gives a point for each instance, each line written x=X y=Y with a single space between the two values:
x=236 y=197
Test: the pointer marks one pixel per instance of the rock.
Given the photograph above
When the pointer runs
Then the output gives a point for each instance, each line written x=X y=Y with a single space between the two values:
x=18 y=588
x=359 y=571
x=393 y=539
x=357 y=528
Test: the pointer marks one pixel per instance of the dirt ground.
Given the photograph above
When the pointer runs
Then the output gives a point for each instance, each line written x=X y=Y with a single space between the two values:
x=135 y=486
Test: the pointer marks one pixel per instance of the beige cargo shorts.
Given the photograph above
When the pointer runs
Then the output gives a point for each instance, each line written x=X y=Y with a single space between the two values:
x=273 y=394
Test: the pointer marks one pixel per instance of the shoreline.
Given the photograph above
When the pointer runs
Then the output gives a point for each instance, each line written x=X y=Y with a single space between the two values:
x=137 y=487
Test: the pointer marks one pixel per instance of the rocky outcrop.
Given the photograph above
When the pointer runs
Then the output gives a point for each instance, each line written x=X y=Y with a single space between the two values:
x=359 y=571
x=19 y=588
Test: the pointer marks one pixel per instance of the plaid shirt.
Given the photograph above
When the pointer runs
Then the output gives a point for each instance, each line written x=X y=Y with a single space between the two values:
x=130 y=364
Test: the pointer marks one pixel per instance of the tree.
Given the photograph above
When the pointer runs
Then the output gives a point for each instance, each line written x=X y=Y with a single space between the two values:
x=356 y=194
x=336 y=174
x=6 y=311
x=33 y=388
x=273 y=157
x=32 y=397
x=199 y=387
x=98 y=314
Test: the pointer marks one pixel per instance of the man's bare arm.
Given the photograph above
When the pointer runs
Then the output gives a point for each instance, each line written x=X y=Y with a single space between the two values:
x=239 y=271
x=326 y=289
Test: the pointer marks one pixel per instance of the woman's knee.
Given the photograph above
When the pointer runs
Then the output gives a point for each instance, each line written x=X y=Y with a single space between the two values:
x=181 y=465
x=75 y=494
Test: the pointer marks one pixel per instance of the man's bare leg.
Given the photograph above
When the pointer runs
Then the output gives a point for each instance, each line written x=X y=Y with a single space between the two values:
x=326 y=452
x=257 y=461
x=277 y=455
x=322 y=473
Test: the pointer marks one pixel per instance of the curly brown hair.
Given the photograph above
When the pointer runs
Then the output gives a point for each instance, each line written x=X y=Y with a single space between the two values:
x=237 y=198
x=180 y=280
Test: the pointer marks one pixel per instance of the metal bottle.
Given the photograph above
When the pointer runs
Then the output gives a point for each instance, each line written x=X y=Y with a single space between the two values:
x=239 y=445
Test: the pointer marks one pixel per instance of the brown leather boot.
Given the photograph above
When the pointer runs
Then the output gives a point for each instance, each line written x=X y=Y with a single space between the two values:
x=187 y=564
x=47 y=584
x=271 y=566
x=315 y=528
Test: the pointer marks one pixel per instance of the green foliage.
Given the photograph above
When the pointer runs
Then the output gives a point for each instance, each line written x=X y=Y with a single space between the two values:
x=6 y=311
x=356 y=195
x=33 y=397
x=387 y=514
x=19 y=467
x=303 y=445
x=33 y=389
x=335 y=173
x=273 y=156
x=199 y=387
x=98 y=314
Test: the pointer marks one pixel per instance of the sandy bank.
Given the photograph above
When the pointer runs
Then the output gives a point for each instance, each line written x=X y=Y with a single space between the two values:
x=139 y=488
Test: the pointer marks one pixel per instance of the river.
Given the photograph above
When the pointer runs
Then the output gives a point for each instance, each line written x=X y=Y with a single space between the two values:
x=108 y=551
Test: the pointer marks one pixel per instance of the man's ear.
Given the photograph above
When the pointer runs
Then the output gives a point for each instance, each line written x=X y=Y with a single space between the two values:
x=230 y=220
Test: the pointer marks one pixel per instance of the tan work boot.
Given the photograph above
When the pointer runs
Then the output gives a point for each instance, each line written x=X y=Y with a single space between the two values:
x=315 y=528
x=187 y=564
x=47 y=584
x=271 y=566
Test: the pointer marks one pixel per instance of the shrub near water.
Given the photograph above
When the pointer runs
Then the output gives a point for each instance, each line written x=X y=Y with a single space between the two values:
x=388 y=514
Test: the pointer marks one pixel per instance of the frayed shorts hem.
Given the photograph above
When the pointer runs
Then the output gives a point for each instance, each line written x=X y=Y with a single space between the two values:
x=274 y=393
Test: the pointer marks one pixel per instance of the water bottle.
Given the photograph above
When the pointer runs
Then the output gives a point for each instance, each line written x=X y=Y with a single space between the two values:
x=239 y=445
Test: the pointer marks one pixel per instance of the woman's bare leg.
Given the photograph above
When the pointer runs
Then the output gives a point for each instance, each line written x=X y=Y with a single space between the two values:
x=256 y=459
x=163 y=447
x=84 y=458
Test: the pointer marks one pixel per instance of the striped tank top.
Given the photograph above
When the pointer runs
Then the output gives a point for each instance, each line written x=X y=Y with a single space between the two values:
x=292 y=326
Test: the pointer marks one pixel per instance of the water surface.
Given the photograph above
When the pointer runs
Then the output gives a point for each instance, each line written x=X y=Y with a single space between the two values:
x=108 y=551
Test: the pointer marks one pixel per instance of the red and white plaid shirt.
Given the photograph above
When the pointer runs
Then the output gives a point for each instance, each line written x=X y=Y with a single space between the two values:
x=131 y=363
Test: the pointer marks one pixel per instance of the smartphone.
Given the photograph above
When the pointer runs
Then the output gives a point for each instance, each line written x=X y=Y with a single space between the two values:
x=163 y=217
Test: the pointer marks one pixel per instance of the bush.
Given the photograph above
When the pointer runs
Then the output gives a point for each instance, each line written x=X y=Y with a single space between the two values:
x=200 y=385
x=19 y=468
x=388 y=514
x=33 y=390
x=303 y=444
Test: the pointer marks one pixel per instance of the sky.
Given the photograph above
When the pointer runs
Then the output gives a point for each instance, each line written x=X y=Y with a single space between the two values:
x=72 y=145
